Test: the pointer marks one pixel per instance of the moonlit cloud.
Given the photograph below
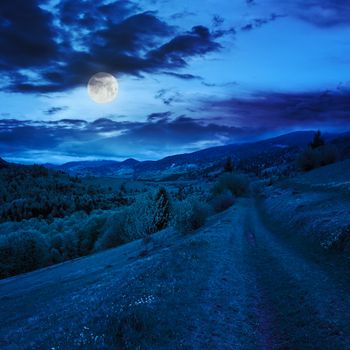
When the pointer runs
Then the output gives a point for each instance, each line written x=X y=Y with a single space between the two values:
x=191 y=75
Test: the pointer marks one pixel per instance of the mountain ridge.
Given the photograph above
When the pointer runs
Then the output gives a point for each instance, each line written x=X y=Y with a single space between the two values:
x=282 y=146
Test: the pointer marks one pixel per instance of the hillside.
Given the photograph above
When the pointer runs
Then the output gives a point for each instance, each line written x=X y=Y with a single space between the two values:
x=190 y=163
x=167 y=271
x=233 y=284
x=252 y=157
x=34 y=191
x=315 y=205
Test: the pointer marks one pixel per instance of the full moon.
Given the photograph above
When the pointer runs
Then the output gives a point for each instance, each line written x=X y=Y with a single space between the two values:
x=102 y=87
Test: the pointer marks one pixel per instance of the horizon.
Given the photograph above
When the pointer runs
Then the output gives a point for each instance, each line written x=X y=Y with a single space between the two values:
x=189 y=77
x=78 y=160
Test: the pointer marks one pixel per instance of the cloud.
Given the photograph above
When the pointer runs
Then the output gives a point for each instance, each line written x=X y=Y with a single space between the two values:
x=104 y=138
x=325 y=13
x=223 y=121
x=273 y=111
x=198 y=41
x=320 y=13
x=26 y=35
x=183 y=14
x=94 y=14
x=55 y=110
x=44 y=51
x=168 y=96
x=259 y=22
x=218 y=21
x=183 y=76
x=157 y=117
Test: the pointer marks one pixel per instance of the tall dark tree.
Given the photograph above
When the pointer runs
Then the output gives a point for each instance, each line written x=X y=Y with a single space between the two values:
x=162 y=212
x=228 y=167
x=318 y=140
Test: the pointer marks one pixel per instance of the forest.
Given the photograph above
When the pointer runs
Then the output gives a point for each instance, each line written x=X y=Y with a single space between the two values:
x=49 y=217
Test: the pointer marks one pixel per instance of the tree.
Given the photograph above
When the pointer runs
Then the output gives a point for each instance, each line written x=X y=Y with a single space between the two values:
x=318 y=154
x=318 y=140
x=162 y=212
x=228 y=167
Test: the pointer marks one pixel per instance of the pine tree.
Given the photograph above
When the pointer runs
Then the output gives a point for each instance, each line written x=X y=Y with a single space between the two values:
x=163 y=209
x=318 y=140
x=228 y=167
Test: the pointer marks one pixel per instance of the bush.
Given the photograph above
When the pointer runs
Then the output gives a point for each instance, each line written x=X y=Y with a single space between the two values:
x=114 y=234
x=313 y=158
x=136 y=327
x=190 y=214
x=22 y=252
x=329 y=155
x=140 y=218
x=309 y=160
x=90 y=232
x=146 y=216
x=222 y=201
x=236 y=183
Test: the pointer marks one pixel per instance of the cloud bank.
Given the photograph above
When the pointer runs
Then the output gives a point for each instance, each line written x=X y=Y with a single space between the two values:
x=163 y=133
x=56 y=49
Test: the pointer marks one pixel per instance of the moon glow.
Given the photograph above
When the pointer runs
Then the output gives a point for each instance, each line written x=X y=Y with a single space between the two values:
x=102 y=87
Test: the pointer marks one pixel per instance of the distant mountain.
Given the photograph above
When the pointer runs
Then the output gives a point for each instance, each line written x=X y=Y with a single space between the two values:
x=97 y=167
x=281 y=149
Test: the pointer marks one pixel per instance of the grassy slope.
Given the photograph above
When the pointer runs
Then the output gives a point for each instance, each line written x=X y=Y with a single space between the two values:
x=315 y=204
x=231 y=285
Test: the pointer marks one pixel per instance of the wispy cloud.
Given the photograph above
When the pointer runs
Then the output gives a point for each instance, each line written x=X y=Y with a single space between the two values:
x=55 y=110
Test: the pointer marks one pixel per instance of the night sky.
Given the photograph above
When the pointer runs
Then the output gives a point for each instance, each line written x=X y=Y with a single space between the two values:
x=192 y=74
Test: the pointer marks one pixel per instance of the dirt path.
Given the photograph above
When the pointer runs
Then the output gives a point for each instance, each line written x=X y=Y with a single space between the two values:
x=263 y=295
x=231 y=285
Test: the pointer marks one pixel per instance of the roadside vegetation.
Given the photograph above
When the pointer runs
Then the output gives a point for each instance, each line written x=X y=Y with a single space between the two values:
x=317 y=154
x=49 y=217
x=34 y=243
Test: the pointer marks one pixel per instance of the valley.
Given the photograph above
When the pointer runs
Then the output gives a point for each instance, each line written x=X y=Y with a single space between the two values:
x=252 y=254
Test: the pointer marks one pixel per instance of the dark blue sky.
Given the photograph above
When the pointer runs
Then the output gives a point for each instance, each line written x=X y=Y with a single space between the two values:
x=192 y=74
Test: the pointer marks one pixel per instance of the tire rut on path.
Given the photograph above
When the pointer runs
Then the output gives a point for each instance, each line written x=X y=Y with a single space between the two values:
x=262 y=295
x=225 y=323
x=296 y=295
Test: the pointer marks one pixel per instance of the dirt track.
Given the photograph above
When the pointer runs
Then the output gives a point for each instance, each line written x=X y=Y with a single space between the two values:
x=231 y=285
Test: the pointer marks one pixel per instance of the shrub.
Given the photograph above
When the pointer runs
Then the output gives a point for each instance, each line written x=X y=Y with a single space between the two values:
x=313 y=158
x=140 y=218
x=22 y=252
x=190 y=214
x=136 y=327
x=90 y=232
x=222 y=201
x=146 y=216
x=236 y=183
x=309 y=159
x=114 y=233
x=329 y=155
